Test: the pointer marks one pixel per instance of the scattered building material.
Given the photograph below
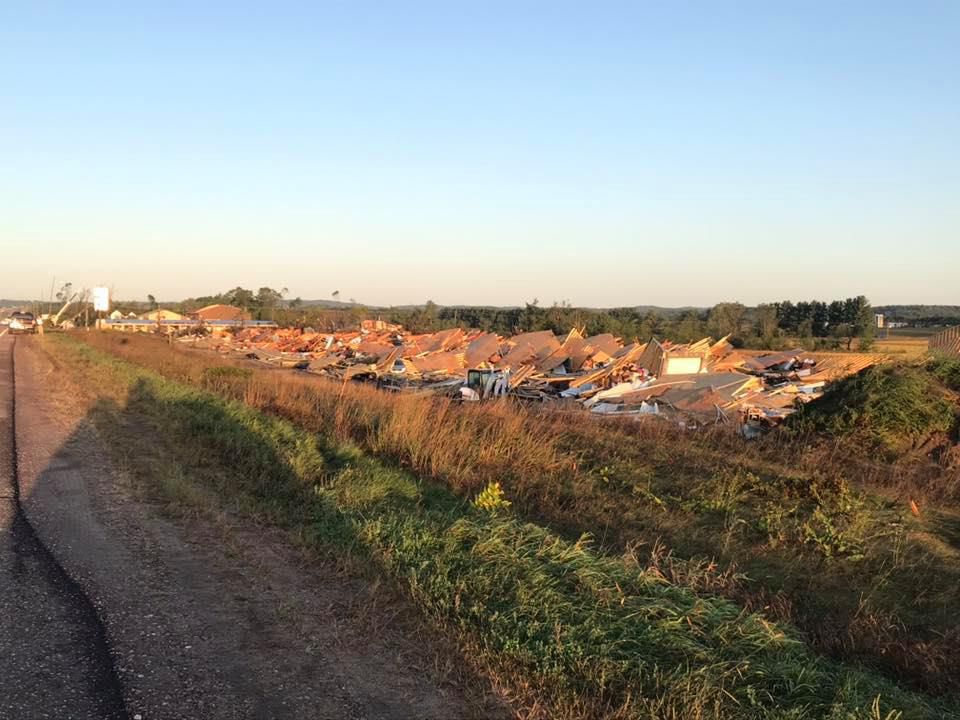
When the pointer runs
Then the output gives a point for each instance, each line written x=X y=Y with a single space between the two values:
x=695 y=384
x=946 y=341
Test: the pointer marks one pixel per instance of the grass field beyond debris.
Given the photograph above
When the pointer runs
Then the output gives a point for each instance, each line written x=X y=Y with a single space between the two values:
x=567 y=630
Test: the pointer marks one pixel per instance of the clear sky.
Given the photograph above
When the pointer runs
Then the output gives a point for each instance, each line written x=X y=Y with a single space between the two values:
x=602 y=153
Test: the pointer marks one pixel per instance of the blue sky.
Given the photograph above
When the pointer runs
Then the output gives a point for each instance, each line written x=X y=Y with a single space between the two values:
x=600 y=153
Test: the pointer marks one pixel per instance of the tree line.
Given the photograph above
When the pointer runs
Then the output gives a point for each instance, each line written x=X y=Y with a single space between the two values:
x=812 y=324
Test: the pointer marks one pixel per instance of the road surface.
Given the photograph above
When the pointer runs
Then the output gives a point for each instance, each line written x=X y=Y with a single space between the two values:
x=54 y=661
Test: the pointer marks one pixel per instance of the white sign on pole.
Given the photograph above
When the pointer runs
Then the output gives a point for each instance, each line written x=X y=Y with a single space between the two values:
x=101 y=299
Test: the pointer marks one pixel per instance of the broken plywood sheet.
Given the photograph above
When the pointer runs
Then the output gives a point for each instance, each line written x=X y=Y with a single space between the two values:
x=573 y=350
x=704 y=401
x=521 y=354
x=450 y=362
x=553 y=360
x=605 y=342
x=376 y=349
x=728 y=385
x=834 y=366
x=579 y=351
x=481 y=349
x=652 y=357
x=542 y=342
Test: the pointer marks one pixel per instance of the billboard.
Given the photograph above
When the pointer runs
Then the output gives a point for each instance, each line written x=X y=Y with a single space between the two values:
x=101 y=299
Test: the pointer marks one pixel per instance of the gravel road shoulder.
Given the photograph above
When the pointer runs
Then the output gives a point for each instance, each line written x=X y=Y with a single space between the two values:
x=218 y=618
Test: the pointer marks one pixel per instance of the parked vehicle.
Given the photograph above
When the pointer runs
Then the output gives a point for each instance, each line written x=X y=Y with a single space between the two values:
x=23 y=322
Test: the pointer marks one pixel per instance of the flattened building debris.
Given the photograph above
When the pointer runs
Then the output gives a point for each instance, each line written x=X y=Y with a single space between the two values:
x=696 y=384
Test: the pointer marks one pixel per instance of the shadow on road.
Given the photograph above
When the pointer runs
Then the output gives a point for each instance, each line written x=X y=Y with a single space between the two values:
x=54 y=657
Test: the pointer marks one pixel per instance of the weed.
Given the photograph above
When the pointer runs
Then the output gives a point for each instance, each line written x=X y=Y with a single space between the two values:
x=491 y=499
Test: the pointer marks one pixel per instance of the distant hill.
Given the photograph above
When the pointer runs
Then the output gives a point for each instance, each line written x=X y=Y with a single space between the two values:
x=332 y=304
x=642 y=309
x=668 y=311
x=908 y=313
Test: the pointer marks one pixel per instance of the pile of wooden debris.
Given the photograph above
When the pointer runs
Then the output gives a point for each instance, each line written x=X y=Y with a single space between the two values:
x=696 y=383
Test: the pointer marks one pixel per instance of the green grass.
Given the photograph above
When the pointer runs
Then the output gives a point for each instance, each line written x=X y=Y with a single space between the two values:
x=889 y=408
x=946 y=369
x=561 y=625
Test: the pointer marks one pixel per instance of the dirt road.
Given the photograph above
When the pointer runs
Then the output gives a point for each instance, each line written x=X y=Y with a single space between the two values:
x=108 y=609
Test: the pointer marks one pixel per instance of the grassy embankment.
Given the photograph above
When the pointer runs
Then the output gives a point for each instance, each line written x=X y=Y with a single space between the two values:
x=778 y=526
x=704 y=508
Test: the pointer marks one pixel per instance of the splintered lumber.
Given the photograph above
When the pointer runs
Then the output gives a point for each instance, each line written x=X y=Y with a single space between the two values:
x=524 y=372
x=591 y=377
x=386 y=363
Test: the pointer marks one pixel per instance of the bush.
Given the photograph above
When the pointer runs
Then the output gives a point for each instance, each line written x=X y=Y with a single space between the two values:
x=946 y=370
x=891 y=408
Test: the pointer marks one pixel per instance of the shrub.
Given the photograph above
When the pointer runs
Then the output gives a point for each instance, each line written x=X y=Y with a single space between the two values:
x=946 y=370
x=891 y=408
x=491 y=499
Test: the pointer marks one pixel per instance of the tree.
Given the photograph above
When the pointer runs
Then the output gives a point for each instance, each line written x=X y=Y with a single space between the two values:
x=65 y=292
x=267 y=299
x=241 y=297
x=821 y=319
x=152 y=302
x=532 y=316
x=689 y=328
x=424 y=319
x=786 y=316
x=725 y=319
x=650 y=326
x=765 y=323
x=862 y=321
x=835 y=315
x=843 y=331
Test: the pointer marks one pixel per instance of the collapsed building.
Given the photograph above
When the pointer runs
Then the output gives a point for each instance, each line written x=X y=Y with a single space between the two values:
x=696 y=384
